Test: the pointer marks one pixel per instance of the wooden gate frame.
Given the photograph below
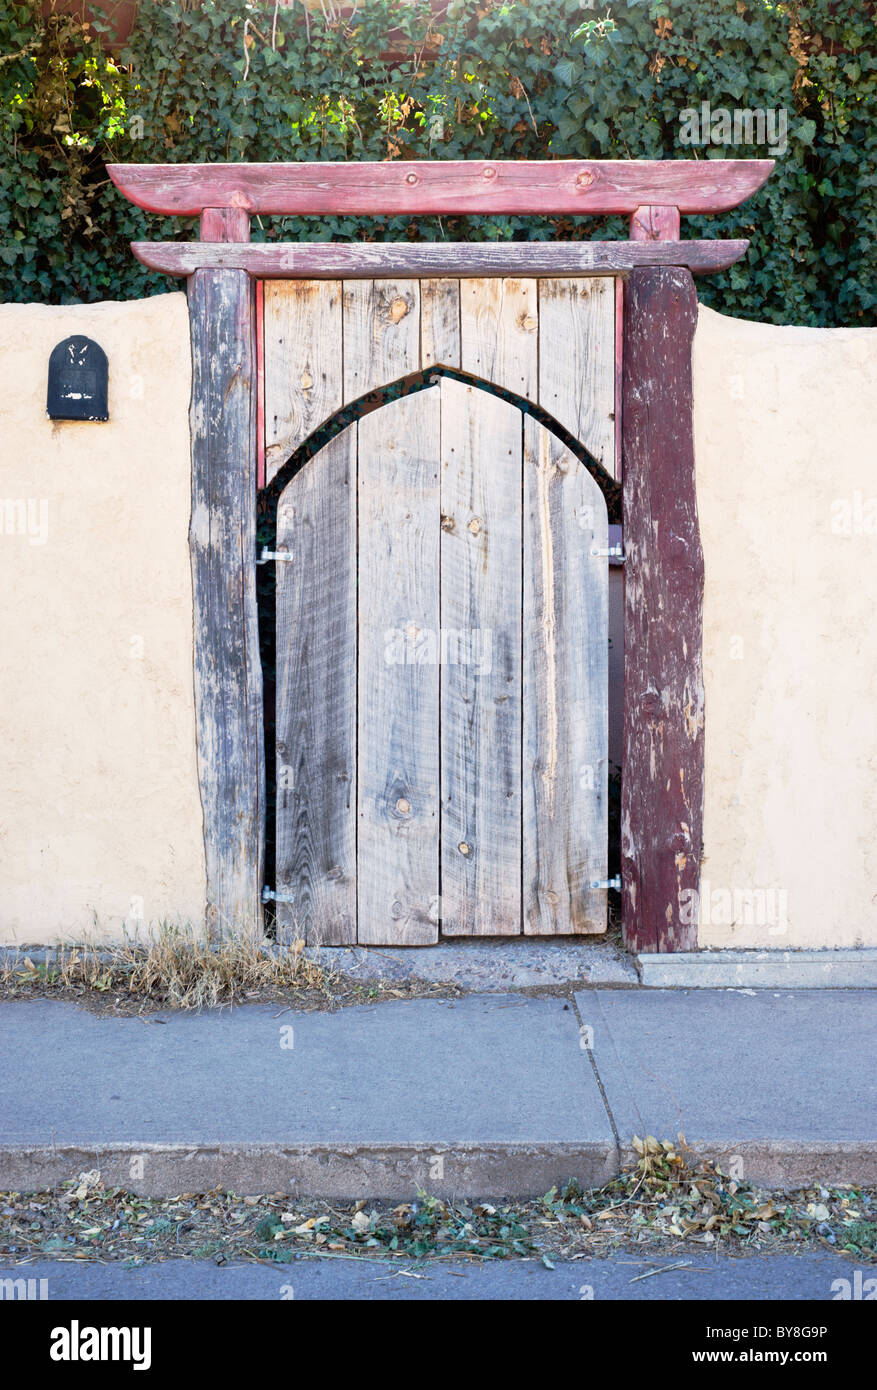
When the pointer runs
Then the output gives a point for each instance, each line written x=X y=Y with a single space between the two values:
x=663 y=768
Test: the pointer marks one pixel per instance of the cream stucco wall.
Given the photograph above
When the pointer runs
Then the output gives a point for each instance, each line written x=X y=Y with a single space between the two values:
x=100 y=815
x=786 y=448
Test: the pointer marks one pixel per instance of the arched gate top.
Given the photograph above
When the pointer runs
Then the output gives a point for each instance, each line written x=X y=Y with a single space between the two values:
x=419 y=381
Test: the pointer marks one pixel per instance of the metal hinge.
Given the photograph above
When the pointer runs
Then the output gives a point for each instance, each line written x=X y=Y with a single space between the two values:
x=268 y=555
x=614 y=883
x=269 y=896
x=614 y=552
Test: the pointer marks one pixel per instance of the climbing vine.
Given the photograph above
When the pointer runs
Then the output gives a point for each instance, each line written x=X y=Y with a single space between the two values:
x=527 y=79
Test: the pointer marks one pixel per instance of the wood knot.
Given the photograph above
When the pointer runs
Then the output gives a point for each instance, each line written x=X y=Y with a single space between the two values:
x=474 y=526
x=463 y=847
x=398 y=308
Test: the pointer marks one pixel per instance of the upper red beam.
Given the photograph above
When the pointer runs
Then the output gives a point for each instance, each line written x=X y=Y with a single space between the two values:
x=456 y=186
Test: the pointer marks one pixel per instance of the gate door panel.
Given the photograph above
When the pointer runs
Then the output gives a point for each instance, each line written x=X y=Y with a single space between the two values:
x=442 y=656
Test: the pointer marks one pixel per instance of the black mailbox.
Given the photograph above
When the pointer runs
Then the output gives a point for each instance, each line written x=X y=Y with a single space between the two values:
x=77 y=381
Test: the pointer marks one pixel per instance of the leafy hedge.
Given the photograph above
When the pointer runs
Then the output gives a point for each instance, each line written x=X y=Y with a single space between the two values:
x=222 y=79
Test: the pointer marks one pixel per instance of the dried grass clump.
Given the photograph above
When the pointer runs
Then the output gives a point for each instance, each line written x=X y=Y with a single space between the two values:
x=177 y=967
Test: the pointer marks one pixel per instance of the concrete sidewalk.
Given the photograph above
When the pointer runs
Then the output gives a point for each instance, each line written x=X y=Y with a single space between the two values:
x=484 y=1095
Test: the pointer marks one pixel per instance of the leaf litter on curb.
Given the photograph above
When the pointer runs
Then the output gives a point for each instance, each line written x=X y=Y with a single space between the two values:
x=669 y=1201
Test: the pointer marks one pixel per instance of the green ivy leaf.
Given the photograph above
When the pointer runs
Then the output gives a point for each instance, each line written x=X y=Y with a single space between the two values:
x=806 y=132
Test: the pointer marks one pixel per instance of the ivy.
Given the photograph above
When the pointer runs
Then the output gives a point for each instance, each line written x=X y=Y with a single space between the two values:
x=227 y=80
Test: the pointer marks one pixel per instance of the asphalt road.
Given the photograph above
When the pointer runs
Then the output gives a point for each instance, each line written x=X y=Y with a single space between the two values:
x=702 y=1278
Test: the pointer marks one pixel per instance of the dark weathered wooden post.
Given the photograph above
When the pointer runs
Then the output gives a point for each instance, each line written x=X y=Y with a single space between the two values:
x=663 y=781
x=228 y=674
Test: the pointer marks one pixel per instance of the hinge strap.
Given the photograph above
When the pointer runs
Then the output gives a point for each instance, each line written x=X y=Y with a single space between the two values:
x=268 y=556
x=269 y=896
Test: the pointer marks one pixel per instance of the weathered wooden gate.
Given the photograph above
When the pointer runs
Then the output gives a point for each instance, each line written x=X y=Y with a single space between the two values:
x=441 y=679
x=662 y=787
x=441 y=629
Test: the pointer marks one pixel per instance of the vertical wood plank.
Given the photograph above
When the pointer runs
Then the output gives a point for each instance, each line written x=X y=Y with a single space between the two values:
x=481 y=671
x=222 y=539
x=398 y=672
x=316 y=698
x=565 y=677
x=662 y=784
x=440 y=322
x=302 y=328
x=577 y=360
x=260 y=384
x=499 y=321
x=381 y=333
x=619 y=364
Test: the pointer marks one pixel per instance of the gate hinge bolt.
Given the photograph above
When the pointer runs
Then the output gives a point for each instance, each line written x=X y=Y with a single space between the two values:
x=268 y=555
x=614 y=883
x=269 y=896
x=614 y=552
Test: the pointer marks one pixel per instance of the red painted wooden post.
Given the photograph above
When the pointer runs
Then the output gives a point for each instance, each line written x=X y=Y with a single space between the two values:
x=655 y=223
x=663 y=777
x=224 y=224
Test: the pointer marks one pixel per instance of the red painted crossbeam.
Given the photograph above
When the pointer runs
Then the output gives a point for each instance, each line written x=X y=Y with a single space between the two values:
x=444 y=186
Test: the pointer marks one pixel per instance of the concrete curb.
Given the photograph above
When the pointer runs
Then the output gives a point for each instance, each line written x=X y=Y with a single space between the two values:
x=346 y=1171
x=846 y=969
x=398 y=1171
x=485 y=967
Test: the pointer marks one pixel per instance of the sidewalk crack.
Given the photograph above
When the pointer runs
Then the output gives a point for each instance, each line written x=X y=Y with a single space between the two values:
x=600 y=1087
